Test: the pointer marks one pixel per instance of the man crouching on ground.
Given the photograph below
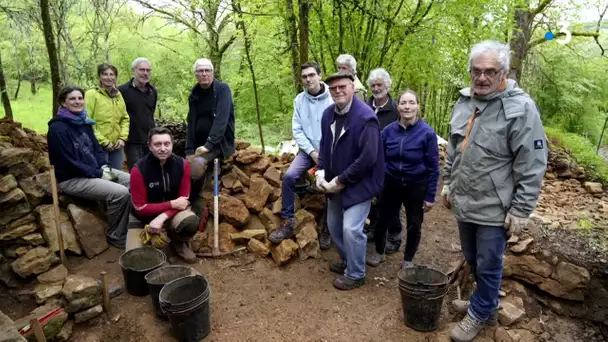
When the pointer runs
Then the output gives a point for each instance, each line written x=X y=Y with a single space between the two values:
x=351 y=171
x=160 y=186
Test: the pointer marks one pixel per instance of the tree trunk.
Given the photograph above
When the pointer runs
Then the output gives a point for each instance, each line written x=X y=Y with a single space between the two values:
x=49 y=40
x=292 y=38
x=519 y=44
x=6 y=102
x=18 y=87
x=304 y=39
x=33 y=87
x=241 y=23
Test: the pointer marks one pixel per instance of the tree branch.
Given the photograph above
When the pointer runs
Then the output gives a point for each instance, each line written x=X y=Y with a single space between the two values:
x=541 y=7
x=574 y=34
x=227 y=44
x=597 y=30
x=170 y=15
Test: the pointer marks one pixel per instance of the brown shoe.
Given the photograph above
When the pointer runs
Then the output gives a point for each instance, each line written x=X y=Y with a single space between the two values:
x=182 y=249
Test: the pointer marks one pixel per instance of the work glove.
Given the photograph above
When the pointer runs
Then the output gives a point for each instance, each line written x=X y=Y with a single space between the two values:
x=107 y=173
x=514 y=224
x=333 y=186
x=159 y=241
x=320 y=179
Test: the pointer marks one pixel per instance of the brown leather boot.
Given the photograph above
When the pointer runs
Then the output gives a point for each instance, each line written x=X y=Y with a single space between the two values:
x=182 y=249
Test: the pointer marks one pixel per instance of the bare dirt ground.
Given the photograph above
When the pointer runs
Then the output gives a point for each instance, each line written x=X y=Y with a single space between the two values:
x=254 y=300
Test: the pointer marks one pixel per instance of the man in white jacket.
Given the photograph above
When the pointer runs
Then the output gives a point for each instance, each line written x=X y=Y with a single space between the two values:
x=308 y=107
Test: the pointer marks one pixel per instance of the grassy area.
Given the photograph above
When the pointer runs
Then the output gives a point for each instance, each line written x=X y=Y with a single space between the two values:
x=583 y=152
x=33 y=111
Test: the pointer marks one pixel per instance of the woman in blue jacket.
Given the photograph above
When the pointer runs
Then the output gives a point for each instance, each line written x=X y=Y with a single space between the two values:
x=411 y=169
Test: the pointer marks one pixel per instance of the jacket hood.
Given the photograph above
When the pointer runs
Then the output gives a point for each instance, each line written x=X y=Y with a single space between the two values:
x=319 y=97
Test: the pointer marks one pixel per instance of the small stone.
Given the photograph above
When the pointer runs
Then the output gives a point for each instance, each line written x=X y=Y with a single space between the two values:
x=233 y=211
x=8 y=330
x=273 y=176
x=255 y=223
x=275 y=195
x=502 y=293
x=246 y=235
x=284 y=251
x=34 y=239
x=521 y=335
x=55 y=275
x=18 y=232
x=513 y=239
x=301 y=218
x=501 y=335
x=522 y=246
x=248 y=156
x=81 y=293
x=593 y=187
x=258 y=193
x=44 y=292
x=66 y=332
x=258 y=248
x=35 y=261
x=534 y=326
x=510 y=314
x=90 y=230
x=241 y=144
x=7 y=183
x=270 y=221
x=86 y=315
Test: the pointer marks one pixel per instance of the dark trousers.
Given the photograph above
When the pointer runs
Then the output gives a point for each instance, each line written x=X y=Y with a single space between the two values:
x=197 y=184
x=393 y=195
x=394 y=228
x=135 y=152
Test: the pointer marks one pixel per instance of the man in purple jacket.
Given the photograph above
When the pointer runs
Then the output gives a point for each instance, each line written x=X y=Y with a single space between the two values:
x=351 y=171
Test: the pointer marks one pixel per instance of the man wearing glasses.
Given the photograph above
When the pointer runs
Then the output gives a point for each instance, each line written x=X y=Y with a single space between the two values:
x=210 y=121
x=308 y=107
x=496 y=161
x=140 y=98
x=351 y=171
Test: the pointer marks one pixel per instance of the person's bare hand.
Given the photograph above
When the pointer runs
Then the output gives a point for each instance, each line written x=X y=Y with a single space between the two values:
x=315 y=156
x=110 y=147
x=428 y=206
x=180 y=203
x=445 y=197
x=156 y=226
x=119 y=144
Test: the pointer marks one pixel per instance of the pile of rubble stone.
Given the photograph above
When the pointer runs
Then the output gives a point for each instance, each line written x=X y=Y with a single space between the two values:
x=250 y=201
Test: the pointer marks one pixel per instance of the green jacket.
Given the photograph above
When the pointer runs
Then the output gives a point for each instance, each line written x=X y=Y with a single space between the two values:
x=502 y=166
x=111 y=116
x=360 y=90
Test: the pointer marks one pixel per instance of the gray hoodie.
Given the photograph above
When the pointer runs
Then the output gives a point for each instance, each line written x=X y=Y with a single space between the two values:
x=307 y=114
x=502 y=166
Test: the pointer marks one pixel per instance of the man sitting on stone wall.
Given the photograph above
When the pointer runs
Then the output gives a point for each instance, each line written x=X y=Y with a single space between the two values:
x=160 y=186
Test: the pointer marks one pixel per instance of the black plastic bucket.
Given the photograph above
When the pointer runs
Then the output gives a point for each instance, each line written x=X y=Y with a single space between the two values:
x=422 y=290
x=159 y=277
x=186 y=302
x=135 y=264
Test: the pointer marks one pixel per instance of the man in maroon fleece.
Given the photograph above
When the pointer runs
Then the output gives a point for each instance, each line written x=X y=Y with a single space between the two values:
x=160 y=187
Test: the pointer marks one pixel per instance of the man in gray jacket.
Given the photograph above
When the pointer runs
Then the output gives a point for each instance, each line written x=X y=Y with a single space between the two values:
x=497 y=156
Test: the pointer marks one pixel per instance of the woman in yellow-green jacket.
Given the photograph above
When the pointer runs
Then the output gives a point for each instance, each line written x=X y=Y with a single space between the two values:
x=106 y=106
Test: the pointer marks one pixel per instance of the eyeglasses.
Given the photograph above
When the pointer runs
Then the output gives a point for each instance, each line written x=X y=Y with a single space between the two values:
x=202 y=71
x=341 y=87
x=491 y=73
x=144 y=70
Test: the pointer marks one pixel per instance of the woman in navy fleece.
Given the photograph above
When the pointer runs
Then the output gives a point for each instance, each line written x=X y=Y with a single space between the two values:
x=411 y=172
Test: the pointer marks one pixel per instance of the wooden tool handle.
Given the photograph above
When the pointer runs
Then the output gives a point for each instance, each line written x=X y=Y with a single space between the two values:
x=57 y=217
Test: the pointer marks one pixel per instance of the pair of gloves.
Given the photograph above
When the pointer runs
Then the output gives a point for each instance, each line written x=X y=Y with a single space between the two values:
x=108 y=174
x=159 y=241
x=513 y=224
x=329 y=187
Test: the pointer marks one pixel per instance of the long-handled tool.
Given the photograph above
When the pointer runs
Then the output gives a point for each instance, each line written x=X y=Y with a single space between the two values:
x=215 y=252
x=57 y=217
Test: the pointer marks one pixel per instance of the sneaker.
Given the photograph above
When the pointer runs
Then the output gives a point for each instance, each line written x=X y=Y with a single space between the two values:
x=182 y=249
x=462 y=307
x=285 y=231
x=324 y=238
x=392 y=247
x=407 y=264
x=338 y=267
x=466 y=329
x=375 y=259
x=345 y=283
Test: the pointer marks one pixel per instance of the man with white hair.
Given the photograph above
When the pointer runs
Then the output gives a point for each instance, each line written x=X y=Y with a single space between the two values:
x=348 y=64
x=210 y=120
x=379 y=81
x=141 y=99
x=497 y=156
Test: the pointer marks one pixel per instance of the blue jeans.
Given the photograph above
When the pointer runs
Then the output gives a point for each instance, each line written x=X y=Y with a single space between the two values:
x=301 y=163
x=483 y=248
x=114 y=158
x=346 y=230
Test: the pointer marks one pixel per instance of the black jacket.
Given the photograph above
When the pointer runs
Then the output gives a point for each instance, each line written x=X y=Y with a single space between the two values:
x=141 y=107
x=386 y=114
x=216 y=132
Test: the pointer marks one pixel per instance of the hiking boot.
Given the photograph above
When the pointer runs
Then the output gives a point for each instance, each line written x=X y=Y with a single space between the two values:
x=338 y=267
x=462 y=307
x=324 y=238
x=375 y=259
x=285 y=231
x=467 y=329
x=391 y=247
x=182 y=249
x=345 y=283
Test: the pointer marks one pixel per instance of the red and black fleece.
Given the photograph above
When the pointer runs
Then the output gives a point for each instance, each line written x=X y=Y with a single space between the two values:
x=153 y=186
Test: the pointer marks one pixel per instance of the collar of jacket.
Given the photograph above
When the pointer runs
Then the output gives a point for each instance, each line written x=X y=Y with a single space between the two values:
x=344 y=110
x=409 y=127
x=148 y=85
x=319 y=97
x=389 y=106
x=112 y=95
